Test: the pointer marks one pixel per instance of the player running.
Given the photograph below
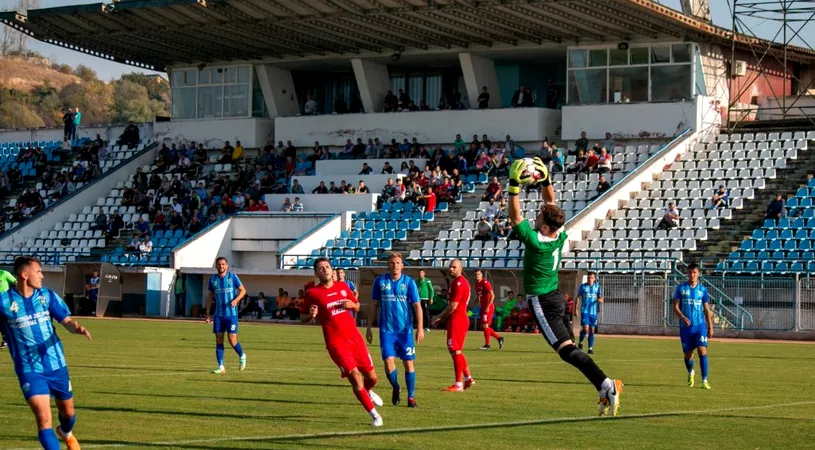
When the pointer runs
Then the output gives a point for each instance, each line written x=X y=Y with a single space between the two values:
x=543 y=246
x=26 y=312
x=457 y=326
x=589 y=295
x=222 y=288
x=695 y=322
x=6 y=279
x=396 y=294
x=332 y=302
x=486 y=296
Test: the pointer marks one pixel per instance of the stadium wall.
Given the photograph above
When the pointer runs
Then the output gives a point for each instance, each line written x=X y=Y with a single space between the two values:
x=328 y=203
x=374 y=182
x=523 y=124
x=344 y=167
x=252 y=132
x=87 y=196
x=109 y=133
x=629 y=120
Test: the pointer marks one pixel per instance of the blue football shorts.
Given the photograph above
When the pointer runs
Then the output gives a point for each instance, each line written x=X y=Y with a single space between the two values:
x=56 y=384
x=225 y=324
x=693 y=337
x=397 y=345
x=588 y=319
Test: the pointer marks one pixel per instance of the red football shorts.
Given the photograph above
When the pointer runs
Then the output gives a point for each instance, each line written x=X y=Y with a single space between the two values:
x=349 y=354
x=487 y=313
x=456 y=334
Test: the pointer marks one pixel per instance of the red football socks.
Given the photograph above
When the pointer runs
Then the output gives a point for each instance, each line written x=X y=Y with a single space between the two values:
x=362 y=396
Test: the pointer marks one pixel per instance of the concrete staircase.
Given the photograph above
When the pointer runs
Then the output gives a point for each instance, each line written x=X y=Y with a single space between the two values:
x=729 y=236
x=443 y=221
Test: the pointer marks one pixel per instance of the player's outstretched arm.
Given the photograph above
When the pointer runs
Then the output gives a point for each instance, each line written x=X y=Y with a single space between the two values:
x=75 y=328
x=514 y=189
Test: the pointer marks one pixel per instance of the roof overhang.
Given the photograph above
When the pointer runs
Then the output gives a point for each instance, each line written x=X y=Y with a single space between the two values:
x=157 y=34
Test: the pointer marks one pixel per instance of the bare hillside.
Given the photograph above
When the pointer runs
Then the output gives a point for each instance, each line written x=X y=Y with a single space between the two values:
x=24 y=74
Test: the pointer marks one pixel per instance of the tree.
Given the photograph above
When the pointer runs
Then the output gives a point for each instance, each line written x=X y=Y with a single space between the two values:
x=131 y=103
x=94 y=99
x=85 y=73
x=11 y=40
x=18 y=115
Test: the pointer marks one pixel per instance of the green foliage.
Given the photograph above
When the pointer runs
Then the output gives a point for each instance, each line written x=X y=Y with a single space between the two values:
x=85 y=73
x=14 y=114
x=131 y=102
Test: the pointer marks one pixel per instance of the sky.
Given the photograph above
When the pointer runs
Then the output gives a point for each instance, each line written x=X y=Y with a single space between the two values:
x=107 y=70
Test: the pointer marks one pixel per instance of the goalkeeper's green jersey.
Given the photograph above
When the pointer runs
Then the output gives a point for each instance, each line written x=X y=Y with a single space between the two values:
x=541 y=259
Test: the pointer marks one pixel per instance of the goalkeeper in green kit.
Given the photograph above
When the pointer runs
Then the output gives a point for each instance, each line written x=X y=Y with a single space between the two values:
x=543 y=245
x=6 y=279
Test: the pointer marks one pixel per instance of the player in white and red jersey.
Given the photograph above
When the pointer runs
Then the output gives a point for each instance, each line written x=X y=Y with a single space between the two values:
x=457 y=325
x=331 y=301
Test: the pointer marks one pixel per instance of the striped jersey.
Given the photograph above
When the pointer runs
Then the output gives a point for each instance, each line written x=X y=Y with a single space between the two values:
x=395 y=302
x=224 y=289
x=26 y=324
x=588 y=294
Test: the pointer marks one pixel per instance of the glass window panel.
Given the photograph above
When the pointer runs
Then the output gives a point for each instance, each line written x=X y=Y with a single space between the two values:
x=660 y=54
x=397 y=82
x=230 y=75
x=639 y=55
x=243 y=74
x=681 y=53
x=628 y=84
x=236 y=100
x=671 y=83
x=618 y=57
x=577 y=58
x=587 y=86
x=185 y=77
x=415 y=87
x=183 y=103
x=598 y=58
x=432 y=90
x=217 y=76
x=701 y=86
x=210 y=102
x=258 y=102
x=205 y=76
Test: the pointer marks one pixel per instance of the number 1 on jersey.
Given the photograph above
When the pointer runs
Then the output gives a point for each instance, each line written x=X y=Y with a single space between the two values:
x=555 y=257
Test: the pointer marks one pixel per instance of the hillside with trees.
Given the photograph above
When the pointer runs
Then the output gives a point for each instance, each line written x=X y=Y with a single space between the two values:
x=35 y=93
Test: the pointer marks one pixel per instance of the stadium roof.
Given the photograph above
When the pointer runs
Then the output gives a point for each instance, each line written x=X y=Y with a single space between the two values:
x=158 y=33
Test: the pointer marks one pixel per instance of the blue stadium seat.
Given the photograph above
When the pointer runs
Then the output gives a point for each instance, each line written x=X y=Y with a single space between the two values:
x=783 y=223
x=775 y=244
x=400 y=235
x=786 y=233
x=388 y=235
x=351 y=243
x=769 y=223
x=752 y=266
x=790 y=245
x=442 y=207
x=363 y=243
x=792 y=203
x=746 y=245
x=804 y=245
x=798 y=222
x=758 y=234
x=796 y=267
x=782 y=267
x=778 y=254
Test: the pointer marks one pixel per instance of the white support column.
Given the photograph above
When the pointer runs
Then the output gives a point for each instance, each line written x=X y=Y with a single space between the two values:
x=373 y=82
x=480 y=72
x=278 y=90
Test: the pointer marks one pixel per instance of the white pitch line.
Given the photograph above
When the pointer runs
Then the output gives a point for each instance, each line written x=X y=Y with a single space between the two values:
x=340 y=434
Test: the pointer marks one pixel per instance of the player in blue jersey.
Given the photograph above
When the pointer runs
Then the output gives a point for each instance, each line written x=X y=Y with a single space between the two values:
x=397 y=296
x=26 y=312
x=695 y=322
x=340 y=275
x=590 y=296
x=226 y=289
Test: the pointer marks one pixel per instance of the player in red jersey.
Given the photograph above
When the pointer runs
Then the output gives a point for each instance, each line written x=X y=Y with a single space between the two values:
x=457 y=325
x=483 y=289
x=331 y=301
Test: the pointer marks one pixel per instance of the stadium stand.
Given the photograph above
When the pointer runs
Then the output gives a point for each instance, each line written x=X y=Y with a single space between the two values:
x=785 y=245
x=741 y=162
x=575 y=192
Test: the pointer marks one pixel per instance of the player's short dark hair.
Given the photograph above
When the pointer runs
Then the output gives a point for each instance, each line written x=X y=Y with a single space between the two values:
x=553 y=217
x=319 y=260
x=591 y=272
x=221 y=258
x=693 y=266
x=23 y=262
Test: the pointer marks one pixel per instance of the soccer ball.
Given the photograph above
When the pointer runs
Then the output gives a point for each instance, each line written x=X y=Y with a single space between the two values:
x=531 y=171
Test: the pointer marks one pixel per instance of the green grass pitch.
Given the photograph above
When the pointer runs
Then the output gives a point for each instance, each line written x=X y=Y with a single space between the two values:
x=145 y=384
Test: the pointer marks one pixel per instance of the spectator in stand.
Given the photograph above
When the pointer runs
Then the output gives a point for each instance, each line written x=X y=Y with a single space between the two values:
x=301 y=167
x=391 y=102
x=130 y=136
x=362 y=189
x=387 y=169
x=176 y=221
x=582 y=143
x=608 y=143
x=602 y=186
x=591 y=162
x=340 y=107
x=101 y=220
x=388 y=193
x=76 y=122
x=493 y=191
x=458 y=145
x=423 y=106
x=296 y=187
x=776 y=209
x=146 y=246
x=484 y=98
x=604 y=161
x=491 y=211
x=720 y=198
x=134 y=244
x=522 y=98
x=366 y=170
x=349 y=188
x=287 y=205
x=237 y=153
x=310 y=106
x=404 y=100
x=68 y=122
x=670 y=219
x=141 y=227
x=321 y=189
x=501 y=229
x=557 y=161
x=195 y=226
x=579 y=163
x=483 y=230
x=333 y=189
x=545 y=153
x=428 y=200
x=297 y=207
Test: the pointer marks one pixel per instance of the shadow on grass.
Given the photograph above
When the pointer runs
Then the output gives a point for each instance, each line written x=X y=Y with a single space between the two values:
x=277 y=383
x=220 y=415
x=230 y=399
